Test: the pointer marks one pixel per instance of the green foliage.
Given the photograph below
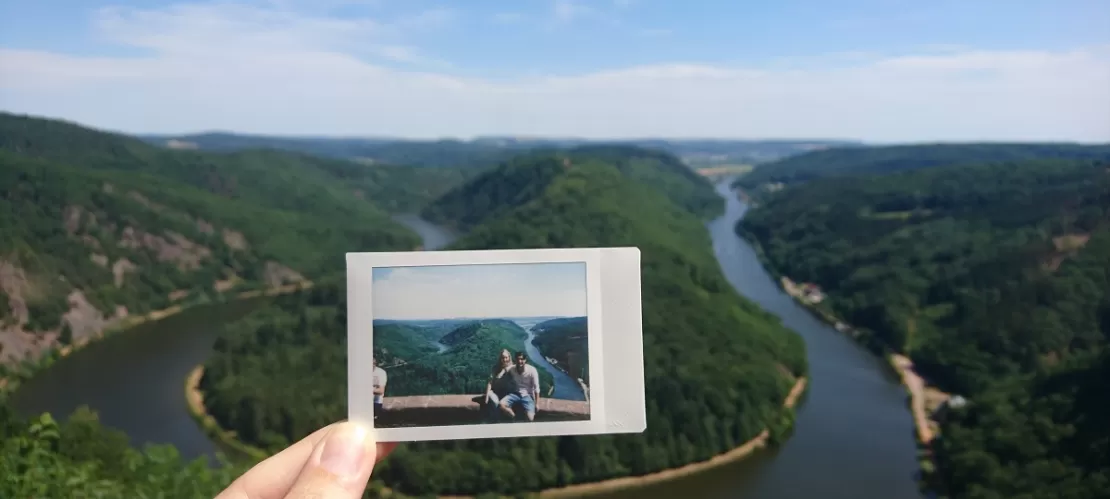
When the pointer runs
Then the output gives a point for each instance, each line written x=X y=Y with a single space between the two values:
x=892 y=159
x=266 y=178
x=82 y=201
x=80 y=458
x=522 y=178
x=716 y=364
x=58 y=220
x=995 y=279
x=465 y=367
x=562 y=339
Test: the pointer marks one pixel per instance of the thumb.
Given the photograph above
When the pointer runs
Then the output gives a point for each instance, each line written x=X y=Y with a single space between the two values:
x=339 y=466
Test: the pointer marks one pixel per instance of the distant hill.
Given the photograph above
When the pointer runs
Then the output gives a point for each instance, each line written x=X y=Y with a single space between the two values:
x=99 y=226
x=691 y=315
x=483 y=151
x=520 y=179
x=889 y=159
x=567 y=341
x=271 y=178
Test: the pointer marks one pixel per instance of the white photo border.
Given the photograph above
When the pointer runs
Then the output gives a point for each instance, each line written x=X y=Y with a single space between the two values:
x=360 y=341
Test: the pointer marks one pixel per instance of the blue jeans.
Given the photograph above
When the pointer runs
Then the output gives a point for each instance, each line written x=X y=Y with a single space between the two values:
x=492 y=413
x=515 y=399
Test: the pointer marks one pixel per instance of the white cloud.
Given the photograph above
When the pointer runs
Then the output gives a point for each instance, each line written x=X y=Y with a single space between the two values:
x=265 y=70
x=569 y=10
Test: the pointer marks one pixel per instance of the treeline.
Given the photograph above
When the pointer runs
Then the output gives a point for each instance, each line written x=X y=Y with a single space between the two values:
x=474 y=348
x=564 y=339
x=891 y=159
x=995 y=280
x=520 y=179
x=691 y=315
x=131 y=225
x=80 y=458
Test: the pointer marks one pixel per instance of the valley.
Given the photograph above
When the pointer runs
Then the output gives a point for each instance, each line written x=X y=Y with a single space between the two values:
x=234 y=256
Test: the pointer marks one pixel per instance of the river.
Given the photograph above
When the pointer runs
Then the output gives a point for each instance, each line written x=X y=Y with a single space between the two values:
x=566 y=387
x=853 y=438
x=135 y=379
x=854 y=435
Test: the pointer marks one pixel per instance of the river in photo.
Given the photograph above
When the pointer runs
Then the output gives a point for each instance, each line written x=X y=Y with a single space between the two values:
x=566 y=387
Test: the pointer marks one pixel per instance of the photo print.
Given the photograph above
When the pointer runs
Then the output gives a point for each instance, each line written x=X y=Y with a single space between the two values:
x=487 y=343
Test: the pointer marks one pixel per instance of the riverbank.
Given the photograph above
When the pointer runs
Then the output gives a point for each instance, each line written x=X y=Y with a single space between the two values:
x=194 y=399
x=922 y=399
x=631 y=482
x=11 y=383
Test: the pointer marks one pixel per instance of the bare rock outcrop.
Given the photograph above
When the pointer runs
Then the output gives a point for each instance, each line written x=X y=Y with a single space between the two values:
x=276 y=275
x=235 y=240
x=174 y=248
x=120 y=270
x=205 y=227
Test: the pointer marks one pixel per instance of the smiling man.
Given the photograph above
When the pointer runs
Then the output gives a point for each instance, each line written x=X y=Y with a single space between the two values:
x=527 y=394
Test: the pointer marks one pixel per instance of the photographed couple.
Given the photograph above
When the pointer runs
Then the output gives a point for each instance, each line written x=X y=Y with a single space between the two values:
x=512 y=386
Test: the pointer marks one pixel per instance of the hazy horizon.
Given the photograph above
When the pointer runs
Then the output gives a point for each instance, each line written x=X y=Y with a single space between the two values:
x=879 y=71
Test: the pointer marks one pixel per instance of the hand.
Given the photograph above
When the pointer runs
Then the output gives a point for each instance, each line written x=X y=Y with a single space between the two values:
x=335 y=462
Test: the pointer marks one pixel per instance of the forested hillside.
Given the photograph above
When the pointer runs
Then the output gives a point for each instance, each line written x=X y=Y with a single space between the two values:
x=463 y=368
x=100 y=227
x=266 y=178
x=566 y=340
x=995 y=280
x=738 y=361
x=519 y=180
x=891 y=159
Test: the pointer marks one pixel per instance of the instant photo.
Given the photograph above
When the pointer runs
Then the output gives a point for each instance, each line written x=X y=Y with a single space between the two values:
x=478 y=344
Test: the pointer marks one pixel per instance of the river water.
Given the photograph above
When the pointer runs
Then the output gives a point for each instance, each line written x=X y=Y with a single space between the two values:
x=566 y=387
x=135 y=379
x=853 y=438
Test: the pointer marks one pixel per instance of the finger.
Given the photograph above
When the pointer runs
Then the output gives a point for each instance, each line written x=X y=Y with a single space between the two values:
x=273 y=477
x=339 y=466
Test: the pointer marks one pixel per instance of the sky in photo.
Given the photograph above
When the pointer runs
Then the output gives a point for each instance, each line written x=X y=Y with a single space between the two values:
x=876 y=70
x=480 y=291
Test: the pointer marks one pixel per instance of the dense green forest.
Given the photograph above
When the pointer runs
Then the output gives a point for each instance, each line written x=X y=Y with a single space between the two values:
x=995 y=280
x=564 y=339
x=519 y=180
x=81 y=458
x=473 y=349
x=127 y=224
x=396 y=342
x=696 y=408
x=266 y=178
x=891 y=159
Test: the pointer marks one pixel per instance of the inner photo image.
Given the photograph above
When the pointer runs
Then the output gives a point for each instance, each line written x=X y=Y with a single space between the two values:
x=480 y=344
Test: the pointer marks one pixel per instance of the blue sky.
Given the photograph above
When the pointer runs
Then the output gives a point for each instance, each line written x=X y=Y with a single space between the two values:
x=879 y=70
x=480 y=291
